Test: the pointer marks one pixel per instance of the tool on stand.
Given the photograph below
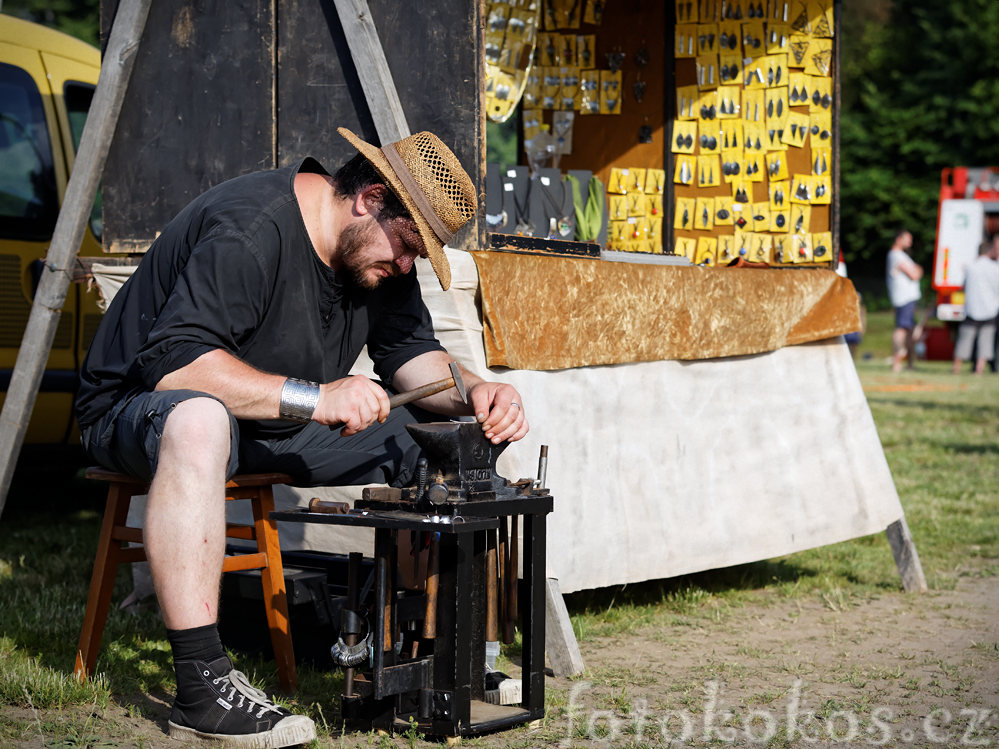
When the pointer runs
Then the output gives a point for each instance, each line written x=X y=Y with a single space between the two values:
x=420 y=656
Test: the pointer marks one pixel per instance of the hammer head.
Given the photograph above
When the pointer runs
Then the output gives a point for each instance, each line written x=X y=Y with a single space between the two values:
x=459 y=384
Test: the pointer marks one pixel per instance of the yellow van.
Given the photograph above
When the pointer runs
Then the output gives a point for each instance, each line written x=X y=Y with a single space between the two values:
x=47 y=80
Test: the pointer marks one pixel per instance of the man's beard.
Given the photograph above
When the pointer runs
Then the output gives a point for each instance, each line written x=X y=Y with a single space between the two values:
x=353 y=239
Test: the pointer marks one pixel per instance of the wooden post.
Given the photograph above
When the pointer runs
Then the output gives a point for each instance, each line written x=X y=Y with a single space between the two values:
x=560 y=640
x=116 y=67
x=903 y=548
x=372 y=70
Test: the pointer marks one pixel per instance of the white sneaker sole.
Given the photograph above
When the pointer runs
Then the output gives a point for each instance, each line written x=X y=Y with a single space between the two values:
x=290 y=731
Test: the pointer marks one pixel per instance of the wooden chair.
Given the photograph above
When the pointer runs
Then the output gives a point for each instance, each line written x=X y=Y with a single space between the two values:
x=258 y=488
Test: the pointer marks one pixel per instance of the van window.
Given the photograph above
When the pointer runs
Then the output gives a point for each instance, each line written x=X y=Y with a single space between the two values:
x=78 y=97
x=29 y=202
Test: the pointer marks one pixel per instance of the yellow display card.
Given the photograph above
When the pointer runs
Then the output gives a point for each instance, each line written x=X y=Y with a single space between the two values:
x=801 y=189
x=686 y=99
x=636 y=203
x=729 y=102
x=821 y=190
x=782 y=248
x=752 y=166
x=704 y=214
x=754 y=137
x=777 y=109
x=820 y=17
x=819 y=57
x=683 y=215
x=780 y=193
x=708 y=171
x=820 y=130
x=799 y=90
x=822 y=247
x=761 y=217
x=730 y=69
x=778 y=38
x=821 y=161
x=683 y=171
x=610 y=92
x=654 y=205
x=706 y=69
x=801 y=218
x=754 y=107
x=707 y=249
x=617 y=232
x=685 y=41
x=742 y=191
x=685 y=247
x=753 y=41
x=684 y=136
x=795 y=129
x=821 y=96
x=635 y=179
x=655 y=182
x=779 y=220
x=617 y=206
x=726 y=249
x=761 y=248
x=586 y=51
x=776 y=166
x=801 y=248
x=731 y=164
x=798 y=50
x=723 y=211
x=686 y=12
x=707 y=39
x=730 y=134
x=655 y=231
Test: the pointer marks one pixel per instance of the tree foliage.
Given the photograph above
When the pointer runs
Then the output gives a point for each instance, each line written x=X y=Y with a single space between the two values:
x=79 y=18
x=920 y=93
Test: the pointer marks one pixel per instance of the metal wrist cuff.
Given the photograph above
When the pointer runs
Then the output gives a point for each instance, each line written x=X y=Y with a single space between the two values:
x=299 y=399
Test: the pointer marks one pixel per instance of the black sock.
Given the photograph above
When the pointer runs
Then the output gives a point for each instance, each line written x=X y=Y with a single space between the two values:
x=196 y=643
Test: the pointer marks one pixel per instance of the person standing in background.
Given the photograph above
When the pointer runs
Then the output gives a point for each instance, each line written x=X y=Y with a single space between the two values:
x=981 y=307
x=902 y=276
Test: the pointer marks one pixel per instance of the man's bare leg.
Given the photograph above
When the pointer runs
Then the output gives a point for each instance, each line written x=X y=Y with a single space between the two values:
x=185 y=515
x=898 y=345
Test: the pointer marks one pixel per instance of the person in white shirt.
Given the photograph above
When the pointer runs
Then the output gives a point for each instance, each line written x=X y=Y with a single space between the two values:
x=903 y=275
x=981 y=308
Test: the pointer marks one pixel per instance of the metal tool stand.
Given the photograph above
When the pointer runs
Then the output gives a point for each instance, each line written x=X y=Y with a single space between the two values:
x=444 y=692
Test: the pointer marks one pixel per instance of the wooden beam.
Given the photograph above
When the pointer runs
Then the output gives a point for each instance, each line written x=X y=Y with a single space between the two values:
x=116 y=67
x=903 y=548
x=372 y=70
x=560 y=639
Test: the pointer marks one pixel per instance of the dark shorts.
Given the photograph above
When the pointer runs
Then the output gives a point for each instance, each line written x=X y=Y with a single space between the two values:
x=127 y=439
x=905 y=316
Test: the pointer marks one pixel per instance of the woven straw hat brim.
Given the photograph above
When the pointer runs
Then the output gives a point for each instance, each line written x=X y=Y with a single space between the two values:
x=432 y=243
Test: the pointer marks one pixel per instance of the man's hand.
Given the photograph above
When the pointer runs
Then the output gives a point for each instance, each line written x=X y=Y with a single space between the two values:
x=354 y=401
x=499 y=409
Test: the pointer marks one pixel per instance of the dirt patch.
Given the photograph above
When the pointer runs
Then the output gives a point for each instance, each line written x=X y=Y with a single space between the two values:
x=895 y=670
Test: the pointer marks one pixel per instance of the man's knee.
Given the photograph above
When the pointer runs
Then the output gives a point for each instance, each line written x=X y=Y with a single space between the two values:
x=197 y=430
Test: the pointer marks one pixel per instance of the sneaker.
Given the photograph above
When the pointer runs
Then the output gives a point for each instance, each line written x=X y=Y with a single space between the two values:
x=221 y=705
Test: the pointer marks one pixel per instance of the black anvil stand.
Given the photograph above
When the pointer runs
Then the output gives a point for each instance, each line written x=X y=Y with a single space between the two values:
x=456 y=499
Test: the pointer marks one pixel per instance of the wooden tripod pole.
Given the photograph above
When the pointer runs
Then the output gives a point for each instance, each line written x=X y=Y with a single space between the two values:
x=95 y=142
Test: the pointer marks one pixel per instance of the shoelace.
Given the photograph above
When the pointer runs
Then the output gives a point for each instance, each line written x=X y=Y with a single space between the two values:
x=239 y=683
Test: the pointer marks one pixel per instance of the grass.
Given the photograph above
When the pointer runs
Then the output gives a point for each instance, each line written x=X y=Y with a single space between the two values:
x=938 y=434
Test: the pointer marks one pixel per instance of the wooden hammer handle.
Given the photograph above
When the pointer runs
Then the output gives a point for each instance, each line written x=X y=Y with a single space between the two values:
x=421 y=392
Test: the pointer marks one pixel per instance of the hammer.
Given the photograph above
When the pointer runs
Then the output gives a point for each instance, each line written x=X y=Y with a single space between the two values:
x=408 y=396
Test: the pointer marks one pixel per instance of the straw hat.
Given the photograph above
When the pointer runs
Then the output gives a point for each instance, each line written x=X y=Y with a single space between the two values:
x=430 y=182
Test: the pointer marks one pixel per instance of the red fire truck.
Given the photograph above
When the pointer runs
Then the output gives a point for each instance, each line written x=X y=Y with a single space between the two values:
x=969 y=211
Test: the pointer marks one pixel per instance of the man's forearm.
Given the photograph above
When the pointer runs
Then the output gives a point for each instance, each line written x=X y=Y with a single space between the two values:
x=430 y=367
x=246 y=391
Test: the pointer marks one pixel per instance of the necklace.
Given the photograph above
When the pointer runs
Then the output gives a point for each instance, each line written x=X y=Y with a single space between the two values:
x=560 y=227
x=522 y=227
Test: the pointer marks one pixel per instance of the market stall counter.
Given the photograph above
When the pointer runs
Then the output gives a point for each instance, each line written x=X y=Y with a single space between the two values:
x=678 y=465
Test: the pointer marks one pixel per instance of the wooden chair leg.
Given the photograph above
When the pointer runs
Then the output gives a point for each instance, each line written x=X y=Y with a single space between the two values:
x=275 y=595
x=102 y=581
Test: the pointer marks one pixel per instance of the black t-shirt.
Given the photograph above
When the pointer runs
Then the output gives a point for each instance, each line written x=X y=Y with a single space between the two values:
x=236 y=270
